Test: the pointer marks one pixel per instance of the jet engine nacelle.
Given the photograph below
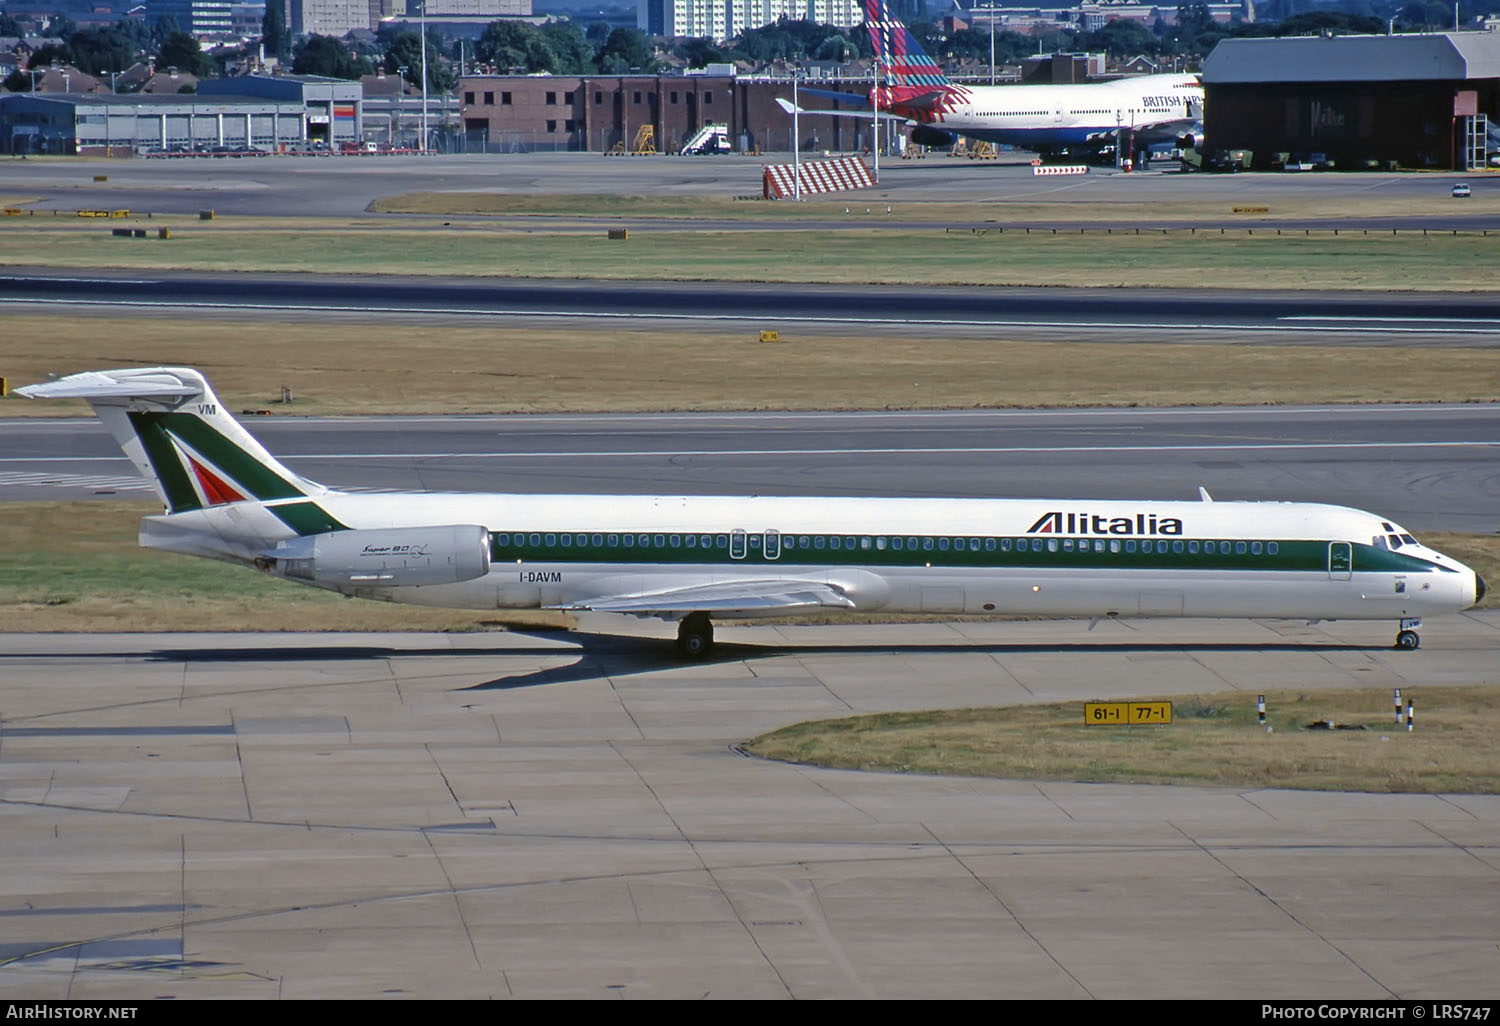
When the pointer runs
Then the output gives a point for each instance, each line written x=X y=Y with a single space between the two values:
x=387 y=557
x=1191 y=141
x=926 y=135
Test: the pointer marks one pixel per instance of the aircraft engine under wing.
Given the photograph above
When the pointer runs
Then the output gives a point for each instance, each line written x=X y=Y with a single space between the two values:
x=926 y=135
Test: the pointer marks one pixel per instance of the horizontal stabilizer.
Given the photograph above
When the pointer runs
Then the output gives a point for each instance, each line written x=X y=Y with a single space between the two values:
x=863 y=99
x=777 y=594
x=178 y=435
x=133 y=383
x=865 y=115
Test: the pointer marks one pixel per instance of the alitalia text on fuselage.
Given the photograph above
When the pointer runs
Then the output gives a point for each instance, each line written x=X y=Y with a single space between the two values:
x=1072 y=522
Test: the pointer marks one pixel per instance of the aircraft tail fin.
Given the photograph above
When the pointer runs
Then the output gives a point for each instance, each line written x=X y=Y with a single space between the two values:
x=180 y=437
x=904 y=64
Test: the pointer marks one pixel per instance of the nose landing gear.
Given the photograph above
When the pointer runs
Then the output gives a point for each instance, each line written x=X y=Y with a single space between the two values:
x=1407 y=637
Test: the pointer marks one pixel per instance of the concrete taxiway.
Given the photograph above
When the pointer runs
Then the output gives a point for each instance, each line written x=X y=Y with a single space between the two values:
x=346 y=186
x=508 y=815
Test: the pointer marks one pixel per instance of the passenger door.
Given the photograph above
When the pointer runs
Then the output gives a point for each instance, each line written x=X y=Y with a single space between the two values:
x=1340 y=561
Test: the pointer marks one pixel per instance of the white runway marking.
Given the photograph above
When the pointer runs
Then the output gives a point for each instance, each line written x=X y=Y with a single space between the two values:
x=1382 y=325
x=1350 y=319
x=97 y=482
x=856 y=451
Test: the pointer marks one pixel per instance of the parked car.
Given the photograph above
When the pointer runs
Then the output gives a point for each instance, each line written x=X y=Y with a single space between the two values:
x=1461 y=190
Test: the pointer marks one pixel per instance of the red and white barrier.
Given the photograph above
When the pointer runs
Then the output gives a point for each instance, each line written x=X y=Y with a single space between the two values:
x=1059 y=169
x=818 y=176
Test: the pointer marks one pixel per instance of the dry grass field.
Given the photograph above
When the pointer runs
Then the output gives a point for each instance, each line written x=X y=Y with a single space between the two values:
x=340 y=365
x=1350 y=197
x=855 y=256
x=1213 y=740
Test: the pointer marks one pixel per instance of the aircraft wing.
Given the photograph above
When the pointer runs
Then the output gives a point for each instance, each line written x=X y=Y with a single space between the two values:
x=768 y=594
x=1167 y=131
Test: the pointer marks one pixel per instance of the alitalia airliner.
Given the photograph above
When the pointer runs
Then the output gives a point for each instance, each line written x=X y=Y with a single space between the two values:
x=1049 y=119
x=689 y=559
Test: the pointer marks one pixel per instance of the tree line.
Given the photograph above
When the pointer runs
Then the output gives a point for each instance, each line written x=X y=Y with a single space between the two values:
x=564 y=47
x=112 y=48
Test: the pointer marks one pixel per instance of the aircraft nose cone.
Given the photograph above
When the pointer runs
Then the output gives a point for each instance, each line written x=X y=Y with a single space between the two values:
x=1479 y=589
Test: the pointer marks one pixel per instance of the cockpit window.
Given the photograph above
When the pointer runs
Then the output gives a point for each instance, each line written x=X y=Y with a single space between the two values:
x=1408 y=539
x=1378 y=541
x=1395 y=541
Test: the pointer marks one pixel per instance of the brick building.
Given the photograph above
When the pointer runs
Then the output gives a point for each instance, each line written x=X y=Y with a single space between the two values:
x=521 y=113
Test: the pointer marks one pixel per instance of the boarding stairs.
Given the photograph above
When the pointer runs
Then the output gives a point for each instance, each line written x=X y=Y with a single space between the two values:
x=711 y=138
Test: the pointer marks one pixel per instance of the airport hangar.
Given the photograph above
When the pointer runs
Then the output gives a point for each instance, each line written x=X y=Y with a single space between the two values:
x=1407 y=100
x=253 y=112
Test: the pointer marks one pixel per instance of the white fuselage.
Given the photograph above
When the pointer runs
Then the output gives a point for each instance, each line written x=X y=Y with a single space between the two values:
x=1063 y=115
x=1028 y=556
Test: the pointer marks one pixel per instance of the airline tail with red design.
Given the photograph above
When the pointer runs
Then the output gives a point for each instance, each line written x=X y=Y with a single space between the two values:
x=901 y=57
x=180 y=437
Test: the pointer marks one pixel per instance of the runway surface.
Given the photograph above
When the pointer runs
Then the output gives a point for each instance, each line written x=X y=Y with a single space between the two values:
x=1462 y=319
x=1428 y=467
x=565 y=816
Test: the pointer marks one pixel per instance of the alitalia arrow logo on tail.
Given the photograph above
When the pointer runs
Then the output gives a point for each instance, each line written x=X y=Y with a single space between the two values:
x=199 y=467
x=1058 y=522
x=214 y=489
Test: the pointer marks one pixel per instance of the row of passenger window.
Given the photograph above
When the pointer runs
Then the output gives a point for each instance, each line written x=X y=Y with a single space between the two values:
x=738 y=542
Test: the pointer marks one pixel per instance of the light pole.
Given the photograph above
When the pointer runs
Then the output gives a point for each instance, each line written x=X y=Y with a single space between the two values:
x=875 y=121
x=396 y=108
x=424 y=76
x=796 y=144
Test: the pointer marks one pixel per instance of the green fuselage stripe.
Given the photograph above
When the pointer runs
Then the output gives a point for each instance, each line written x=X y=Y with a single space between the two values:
x=1073 y=553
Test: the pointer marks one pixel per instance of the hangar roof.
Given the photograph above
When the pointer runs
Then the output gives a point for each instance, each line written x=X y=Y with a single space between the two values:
x=1452 y=56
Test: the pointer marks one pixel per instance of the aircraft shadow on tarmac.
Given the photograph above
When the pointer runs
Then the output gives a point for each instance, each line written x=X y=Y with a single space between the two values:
x=604 y=655
x=609 y=655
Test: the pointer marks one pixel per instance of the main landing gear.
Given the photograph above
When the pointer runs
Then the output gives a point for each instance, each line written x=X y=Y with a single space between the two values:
x=695 y=636
x=1407 y=637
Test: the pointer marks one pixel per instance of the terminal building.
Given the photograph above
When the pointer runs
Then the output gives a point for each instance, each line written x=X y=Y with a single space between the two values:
x=1413 y=100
